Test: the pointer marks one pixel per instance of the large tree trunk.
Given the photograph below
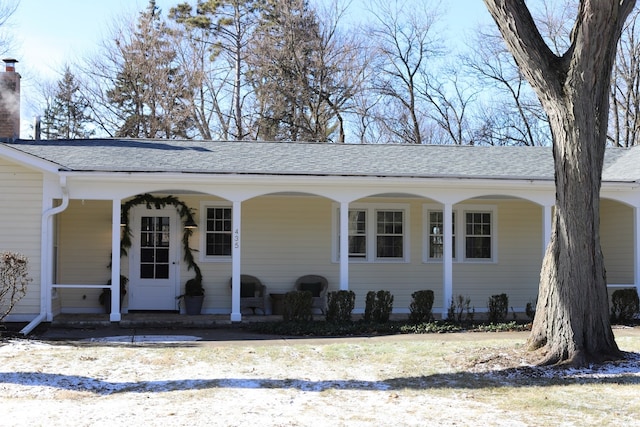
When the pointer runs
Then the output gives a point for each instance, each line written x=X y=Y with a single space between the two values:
x=571 y=325
x=572 y=317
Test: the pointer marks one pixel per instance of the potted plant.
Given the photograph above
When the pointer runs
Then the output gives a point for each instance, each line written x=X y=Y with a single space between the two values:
x=105 y=296
x=193 y=295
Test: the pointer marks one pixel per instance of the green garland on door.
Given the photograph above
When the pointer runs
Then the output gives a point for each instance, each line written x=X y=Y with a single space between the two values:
x=186 y=214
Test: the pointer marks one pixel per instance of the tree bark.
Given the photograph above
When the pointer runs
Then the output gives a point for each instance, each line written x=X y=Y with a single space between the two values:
x=572 y=324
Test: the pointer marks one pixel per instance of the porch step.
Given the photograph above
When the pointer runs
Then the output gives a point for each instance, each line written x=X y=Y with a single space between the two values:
x=154 y=320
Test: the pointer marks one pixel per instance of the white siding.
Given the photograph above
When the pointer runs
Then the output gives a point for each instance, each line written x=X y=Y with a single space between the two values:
x=616 y=239
x=519 y=258
x=21 y=213
x=84 y=251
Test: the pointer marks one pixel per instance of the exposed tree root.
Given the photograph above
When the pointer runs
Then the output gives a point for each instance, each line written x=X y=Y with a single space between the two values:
x=576 y=359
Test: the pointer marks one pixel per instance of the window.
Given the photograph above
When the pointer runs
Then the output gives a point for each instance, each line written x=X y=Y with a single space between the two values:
x=436 y=235
x=377 y=232
x=475 y=240
x=357 y=233
x=389 y=237
x=217 y=241
x=478 y=235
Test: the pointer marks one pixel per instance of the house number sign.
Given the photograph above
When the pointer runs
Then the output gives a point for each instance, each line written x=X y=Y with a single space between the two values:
x=236 y=239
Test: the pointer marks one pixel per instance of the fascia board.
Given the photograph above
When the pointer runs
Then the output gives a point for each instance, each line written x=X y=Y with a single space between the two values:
x=28 y=160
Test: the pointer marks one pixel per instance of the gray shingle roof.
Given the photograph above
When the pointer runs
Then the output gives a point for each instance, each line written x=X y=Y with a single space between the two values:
x=268 y=158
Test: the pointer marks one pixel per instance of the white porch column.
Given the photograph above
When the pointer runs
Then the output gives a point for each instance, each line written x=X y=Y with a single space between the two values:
x=636 y=247
x=115 y=315
x=447 y=261
x=236 y=240
x=344 y=246
x=546 y=227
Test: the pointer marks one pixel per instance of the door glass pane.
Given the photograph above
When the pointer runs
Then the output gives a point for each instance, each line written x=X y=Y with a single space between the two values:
x=162 y=256
x=162 y=271
x=146 y=255
x=154 y=247
x=146 y=271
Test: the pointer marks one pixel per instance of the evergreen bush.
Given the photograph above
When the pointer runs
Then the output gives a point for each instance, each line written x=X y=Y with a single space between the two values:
x=625 y=305
x=421 y=306
x=298 y=306
x=340 y=305
x=378 y=306
x=498 y=306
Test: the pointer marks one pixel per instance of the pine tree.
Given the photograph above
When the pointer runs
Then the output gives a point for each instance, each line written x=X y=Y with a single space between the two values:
x=149 y=87
x=67 y=116
x=283 y=67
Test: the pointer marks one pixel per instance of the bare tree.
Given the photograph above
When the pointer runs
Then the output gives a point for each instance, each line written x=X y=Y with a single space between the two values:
x=572 y=323
x=451 y=99
x=339 y=65
x=404 y=42
x=624 y=124
x=513 y=115
x=7 y=9
x=229 y=26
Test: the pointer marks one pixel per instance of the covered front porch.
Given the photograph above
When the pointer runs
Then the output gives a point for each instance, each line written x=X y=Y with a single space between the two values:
x=279 y=231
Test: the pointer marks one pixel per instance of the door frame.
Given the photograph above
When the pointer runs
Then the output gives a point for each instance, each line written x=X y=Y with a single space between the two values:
x=136 y=214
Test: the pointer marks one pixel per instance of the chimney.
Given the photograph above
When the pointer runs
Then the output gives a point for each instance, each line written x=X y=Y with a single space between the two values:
x=9 y=101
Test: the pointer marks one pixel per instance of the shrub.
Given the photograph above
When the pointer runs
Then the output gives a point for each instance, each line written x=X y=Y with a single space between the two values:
x=298 y=306
x=420 y=307
x=14 y=277
x=625 y=305
x=498 y=306
x=530 y=310
x=378 y=306
x=340 y=304
x=460 y=306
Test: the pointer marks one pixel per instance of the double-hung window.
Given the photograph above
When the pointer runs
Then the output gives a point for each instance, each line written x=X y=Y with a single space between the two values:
x=436 y=234
x=389 y=234
x=476 y=241
x=357 y=233
x=478 y=235
x=377 y=232
x=217 y=232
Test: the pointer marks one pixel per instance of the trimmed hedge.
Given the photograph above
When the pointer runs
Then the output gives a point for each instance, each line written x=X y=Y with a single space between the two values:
x=625 y=305
x=298 y=306
x=340 y=305
x=378 y=306
x=421 y=306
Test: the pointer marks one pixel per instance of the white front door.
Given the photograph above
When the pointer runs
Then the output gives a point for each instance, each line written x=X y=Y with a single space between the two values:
x=153 y=259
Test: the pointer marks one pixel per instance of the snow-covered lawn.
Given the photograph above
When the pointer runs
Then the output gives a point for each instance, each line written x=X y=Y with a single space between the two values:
x=417 y=380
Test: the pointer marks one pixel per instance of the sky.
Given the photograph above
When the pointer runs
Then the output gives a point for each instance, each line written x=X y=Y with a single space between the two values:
x=48 y=34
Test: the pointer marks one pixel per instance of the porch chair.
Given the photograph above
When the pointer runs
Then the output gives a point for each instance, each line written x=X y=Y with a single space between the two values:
x=318 y=286
x=253 y=293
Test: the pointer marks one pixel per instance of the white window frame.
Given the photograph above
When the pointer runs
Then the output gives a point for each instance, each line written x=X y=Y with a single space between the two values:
x=371 y=232
x=202 y=229
x=426 y=244
x=460 y=212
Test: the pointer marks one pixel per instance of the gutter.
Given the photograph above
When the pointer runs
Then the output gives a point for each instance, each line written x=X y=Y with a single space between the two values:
x=45 y=262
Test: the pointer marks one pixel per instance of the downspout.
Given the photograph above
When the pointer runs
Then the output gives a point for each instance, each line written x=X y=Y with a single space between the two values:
x=46 y=259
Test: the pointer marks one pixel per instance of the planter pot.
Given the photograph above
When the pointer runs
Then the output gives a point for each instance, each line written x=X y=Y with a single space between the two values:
x=105 y=299
x=193 y=305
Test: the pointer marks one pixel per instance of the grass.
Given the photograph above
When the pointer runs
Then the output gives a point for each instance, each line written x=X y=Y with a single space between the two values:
x=462 y=379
